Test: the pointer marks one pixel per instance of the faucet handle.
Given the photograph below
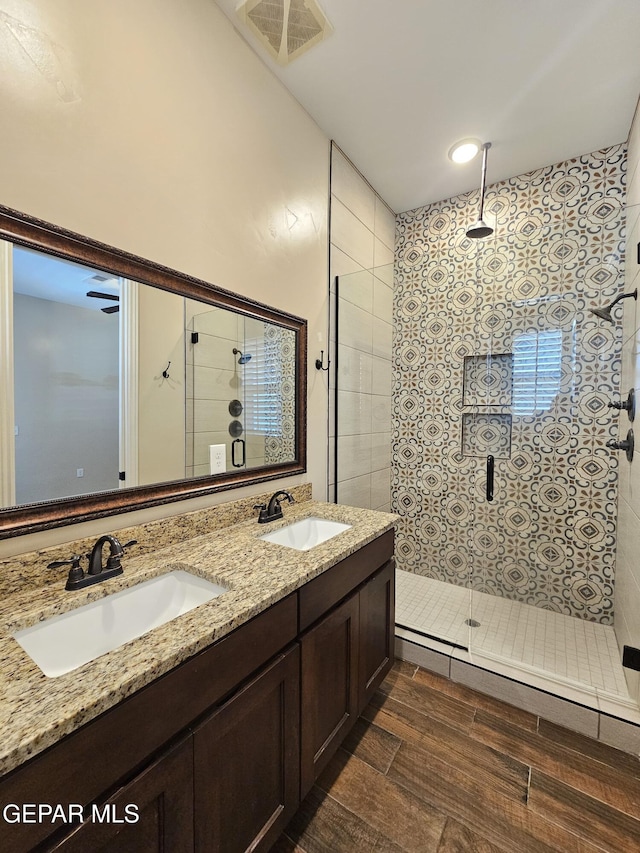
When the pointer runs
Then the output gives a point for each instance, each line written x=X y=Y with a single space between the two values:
x=113 y=560
x=263 y=512
x=76 y=572
x=74 y=562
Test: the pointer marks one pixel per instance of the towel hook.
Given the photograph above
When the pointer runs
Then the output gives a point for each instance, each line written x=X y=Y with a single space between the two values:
x=320 y=362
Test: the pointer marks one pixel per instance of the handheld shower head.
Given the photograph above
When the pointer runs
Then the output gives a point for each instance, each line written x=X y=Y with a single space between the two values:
x=243 y=359
x=605 y=313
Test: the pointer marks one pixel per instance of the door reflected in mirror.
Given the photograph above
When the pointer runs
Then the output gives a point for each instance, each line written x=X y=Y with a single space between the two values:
x=119 y=384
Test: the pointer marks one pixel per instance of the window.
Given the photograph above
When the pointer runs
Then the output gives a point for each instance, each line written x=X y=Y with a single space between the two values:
x=537 y=369
x=262 y=380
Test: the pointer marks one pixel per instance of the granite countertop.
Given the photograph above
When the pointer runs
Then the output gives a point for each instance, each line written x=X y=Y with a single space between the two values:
x=36 y=711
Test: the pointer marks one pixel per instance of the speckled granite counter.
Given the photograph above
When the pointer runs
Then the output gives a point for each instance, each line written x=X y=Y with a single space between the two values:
x=36 y=711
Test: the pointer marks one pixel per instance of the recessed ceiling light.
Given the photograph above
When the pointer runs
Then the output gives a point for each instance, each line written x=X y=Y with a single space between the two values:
x=465 y=150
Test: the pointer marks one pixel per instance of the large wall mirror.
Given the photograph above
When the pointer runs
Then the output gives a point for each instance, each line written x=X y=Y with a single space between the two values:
x=124 y=384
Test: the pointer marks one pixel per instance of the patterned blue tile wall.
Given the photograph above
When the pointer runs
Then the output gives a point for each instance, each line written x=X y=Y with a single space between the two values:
x=544 y=370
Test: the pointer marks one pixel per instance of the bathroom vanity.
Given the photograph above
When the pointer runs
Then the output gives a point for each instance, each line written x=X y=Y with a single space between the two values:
x=216 y=753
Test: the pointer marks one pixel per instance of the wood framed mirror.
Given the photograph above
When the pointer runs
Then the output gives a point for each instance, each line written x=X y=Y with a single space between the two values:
x=126 y=384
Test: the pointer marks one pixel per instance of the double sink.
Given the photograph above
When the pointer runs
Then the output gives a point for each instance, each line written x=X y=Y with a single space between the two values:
x=63 y=643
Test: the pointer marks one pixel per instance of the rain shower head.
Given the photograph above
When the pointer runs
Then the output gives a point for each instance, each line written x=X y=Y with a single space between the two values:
x=605 y=313
x=243 y=358
x=481 y=229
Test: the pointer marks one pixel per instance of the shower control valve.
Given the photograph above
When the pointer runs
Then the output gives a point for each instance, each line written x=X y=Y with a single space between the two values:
x=626 y=444
x=629 y=405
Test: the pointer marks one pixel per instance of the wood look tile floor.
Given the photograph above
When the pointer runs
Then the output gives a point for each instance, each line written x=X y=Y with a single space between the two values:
x=434 y=767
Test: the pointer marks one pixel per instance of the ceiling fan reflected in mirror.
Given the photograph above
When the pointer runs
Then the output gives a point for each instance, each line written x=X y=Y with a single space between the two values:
x=110 y=309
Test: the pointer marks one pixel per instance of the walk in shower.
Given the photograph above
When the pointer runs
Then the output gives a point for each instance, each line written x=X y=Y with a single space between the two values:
x=240 y=412
x=503 y=381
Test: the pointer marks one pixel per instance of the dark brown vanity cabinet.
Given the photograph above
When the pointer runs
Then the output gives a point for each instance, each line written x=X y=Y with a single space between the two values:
x=376 y=632
x=109 y=756
x=329 y=688
x=247 y=763
x=344 y=654
x=162 y=801
x=215 y=755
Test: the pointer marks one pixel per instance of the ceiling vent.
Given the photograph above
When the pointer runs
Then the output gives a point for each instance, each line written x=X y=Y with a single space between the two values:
x=286 y=28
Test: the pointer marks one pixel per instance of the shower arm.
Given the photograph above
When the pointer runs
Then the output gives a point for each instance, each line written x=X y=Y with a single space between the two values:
x=634 y=294
x=483 y=177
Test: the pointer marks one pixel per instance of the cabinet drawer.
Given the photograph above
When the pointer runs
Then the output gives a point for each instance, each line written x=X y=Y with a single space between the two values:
x=322 y=593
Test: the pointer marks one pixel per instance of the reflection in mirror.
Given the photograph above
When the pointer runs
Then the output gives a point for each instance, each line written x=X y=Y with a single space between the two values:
x=240 y=391
x=119 y=384
x=65 y=365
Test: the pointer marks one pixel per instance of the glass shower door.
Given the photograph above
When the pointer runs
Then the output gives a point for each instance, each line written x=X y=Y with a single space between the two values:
x=546 y=546
x=411 y=413
x=215 y=390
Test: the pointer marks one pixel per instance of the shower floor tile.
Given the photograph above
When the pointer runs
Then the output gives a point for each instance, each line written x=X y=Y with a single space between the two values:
x=563 y=647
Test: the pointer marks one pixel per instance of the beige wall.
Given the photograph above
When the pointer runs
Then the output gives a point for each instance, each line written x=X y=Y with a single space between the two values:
x=627 y=591
x=153 y=127
x=161 y=401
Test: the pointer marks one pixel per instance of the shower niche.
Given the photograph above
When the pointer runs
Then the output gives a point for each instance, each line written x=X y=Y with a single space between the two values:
x=487 y=382
x=486 y=434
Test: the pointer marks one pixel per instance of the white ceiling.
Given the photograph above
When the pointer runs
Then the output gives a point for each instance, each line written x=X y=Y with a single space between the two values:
x=399 y=81
x=47 y=277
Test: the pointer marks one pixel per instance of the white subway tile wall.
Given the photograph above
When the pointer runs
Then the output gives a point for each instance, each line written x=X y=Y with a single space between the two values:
x=361 y=255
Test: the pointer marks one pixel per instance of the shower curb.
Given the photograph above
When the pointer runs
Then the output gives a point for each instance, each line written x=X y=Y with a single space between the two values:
x=445 y=660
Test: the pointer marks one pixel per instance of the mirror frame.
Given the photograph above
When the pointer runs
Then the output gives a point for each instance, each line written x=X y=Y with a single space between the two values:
x=24 y=230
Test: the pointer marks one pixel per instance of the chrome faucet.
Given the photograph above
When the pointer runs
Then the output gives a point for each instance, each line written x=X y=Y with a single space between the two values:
x=78 y=579
x=274 y=511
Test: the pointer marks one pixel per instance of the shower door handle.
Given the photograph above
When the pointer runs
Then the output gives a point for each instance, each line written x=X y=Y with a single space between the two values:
x=234 y=444
x=490 y=466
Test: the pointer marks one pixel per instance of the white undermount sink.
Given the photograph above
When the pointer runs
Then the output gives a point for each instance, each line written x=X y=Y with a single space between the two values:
x=63 y=643
x=306 y=533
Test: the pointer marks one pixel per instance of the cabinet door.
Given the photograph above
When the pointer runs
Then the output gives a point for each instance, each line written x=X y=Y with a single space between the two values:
x=329 y=685
x=377 y=624
x=160 y=798
x=246 y=760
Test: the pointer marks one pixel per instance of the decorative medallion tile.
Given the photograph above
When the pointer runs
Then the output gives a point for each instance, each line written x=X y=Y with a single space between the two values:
x=556 y=252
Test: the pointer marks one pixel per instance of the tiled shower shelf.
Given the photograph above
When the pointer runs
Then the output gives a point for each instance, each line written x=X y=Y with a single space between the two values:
x=533 y=658
x=487 y=380
x=486 y=433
